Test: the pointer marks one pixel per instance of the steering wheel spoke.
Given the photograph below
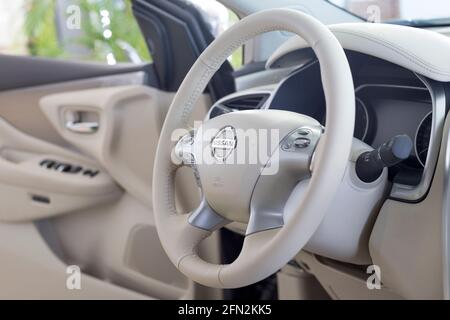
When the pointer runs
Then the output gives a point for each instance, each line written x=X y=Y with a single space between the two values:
x=205 y=218
x=273 y=190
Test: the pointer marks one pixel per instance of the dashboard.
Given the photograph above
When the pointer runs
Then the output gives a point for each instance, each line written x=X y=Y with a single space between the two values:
x=383 y=109
x=390 y=100
x=401 y=82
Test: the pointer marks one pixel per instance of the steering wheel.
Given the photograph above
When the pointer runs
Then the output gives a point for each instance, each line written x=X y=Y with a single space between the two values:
x=253 y=192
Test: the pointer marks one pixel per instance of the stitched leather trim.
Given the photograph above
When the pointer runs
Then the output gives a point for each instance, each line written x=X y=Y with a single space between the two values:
x=391 y=46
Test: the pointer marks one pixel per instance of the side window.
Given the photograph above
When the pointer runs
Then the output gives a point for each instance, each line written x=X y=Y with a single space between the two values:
x=219 y=18
x=90 y=30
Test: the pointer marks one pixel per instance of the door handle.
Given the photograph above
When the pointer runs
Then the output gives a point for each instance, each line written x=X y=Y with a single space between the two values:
x=82 y=127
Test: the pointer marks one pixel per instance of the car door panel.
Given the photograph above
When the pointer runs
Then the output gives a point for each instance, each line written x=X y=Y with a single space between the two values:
x=30 y=270
x=129 y=119
x=123 y=233
x=50 y=220
x=32 y=190
x=113 y=239
x=20 y=106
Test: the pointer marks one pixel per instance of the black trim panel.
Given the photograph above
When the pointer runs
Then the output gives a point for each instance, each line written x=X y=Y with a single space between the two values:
x=176 y=34
x=24 y=71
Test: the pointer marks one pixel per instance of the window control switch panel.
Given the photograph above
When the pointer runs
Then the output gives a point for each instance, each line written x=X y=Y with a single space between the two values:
x=65 y=167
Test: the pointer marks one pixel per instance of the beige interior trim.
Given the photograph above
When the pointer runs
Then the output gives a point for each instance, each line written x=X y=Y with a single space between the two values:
x=31 y=271
x=406 y=241
x=124 y=148
x=21 y=106
x=418 y=50
x=22 y=179
x=343 y=282
x=122 y=233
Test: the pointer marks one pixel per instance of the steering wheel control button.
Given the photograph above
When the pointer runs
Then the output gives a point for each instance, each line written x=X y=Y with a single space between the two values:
x=302 y=142
x=298 y=140
x=184 y=150
x=304 y=132
x=286 y=145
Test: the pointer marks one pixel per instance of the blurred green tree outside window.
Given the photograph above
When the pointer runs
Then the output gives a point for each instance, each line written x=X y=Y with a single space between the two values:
x=108 y=31
x=237 y=58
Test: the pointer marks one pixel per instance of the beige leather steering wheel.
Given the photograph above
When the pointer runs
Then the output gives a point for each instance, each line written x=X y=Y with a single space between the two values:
x=242 y=192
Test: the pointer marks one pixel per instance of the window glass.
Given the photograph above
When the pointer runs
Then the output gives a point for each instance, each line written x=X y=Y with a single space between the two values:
x=92 y=30
x=95 y=30
x=219 y=18
x=431 y=11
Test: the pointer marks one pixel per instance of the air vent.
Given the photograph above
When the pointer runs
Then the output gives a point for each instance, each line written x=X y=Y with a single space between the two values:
x=244 y=102
x=253 y=101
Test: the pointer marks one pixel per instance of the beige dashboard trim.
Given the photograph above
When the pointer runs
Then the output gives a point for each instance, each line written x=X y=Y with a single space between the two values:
x=418 y=50
x=446 y=220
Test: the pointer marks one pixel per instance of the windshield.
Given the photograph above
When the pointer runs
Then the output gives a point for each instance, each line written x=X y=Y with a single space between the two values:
x=408 y=12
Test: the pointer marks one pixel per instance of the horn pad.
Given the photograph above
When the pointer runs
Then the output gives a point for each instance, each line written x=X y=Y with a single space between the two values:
x=232 y=150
